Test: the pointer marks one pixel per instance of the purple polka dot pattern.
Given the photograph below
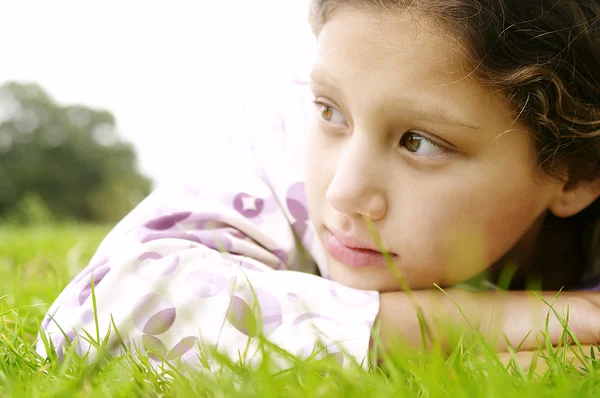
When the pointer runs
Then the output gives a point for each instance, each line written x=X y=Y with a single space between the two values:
x=215 y=239
x=150 y=256
x=171 y=267
x=243 y=318
x=238 y=234
x=160 y=322
x=84 y=294
x=166 y=222
x=300 y=228
x=61 y=344
x=153 y=314
x=72 y=301
x=200 y=220
x=247 y=264
x=171 y=235
x=87 y=316
x=98 y=275
x=70 y=336
x=48 y=319
x=147 y=266
x=296 y=204
x=142 y=261
x=247 y=205
x=181 y=348
x=90 y=268
x=270 y=309
x=206 y=284
x=296 y=200
x=297 y=210
x=310 y=316
x=282 y=255
x=293 y=297
x=153 y=346
x=241 y=261
x=205 y=220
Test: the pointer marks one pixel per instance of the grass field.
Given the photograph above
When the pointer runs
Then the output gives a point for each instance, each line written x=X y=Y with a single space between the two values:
x=36 y=263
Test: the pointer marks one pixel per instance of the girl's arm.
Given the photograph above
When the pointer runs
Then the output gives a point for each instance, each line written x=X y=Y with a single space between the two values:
x=515 y=318
x=527 y=359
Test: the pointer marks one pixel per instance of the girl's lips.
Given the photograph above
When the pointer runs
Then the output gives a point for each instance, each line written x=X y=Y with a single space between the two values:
x=351 y=256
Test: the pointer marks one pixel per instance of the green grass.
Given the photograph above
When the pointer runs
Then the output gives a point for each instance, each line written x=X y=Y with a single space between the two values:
x=36 y=263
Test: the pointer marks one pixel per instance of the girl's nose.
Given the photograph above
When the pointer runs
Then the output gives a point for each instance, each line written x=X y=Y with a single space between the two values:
x=357 y=187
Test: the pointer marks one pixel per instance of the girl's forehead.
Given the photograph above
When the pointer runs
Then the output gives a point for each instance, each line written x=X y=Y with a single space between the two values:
x=366 y=41
x=358 y=51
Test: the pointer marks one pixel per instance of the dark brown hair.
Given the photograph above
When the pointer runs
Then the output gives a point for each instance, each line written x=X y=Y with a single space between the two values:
x=543 y=54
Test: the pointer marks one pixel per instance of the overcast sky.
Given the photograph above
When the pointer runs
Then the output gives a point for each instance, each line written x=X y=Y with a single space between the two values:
x=171 y=72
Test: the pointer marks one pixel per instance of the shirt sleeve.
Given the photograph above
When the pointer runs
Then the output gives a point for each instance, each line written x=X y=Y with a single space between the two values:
x=184 y=304
x=173 y=269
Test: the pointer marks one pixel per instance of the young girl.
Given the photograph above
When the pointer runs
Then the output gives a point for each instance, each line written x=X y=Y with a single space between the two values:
x=447 y=140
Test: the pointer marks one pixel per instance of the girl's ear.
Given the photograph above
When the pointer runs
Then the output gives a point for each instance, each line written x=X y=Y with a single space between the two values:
x=575 y=197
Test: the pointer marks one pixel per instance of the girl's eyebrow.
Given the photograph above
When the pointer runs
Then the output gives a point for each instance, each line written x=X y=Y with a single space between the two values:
x=431 y=113
x=318 y=76
x=442 y=115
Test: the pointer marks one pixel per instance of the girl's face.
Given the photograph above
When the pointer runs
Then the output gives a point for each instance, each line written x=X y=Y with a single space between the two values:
x=402 y=135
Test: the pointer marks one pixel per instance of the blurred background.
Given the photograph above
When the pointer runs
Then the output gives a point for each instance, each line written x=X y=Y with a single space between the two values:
x=100 y=102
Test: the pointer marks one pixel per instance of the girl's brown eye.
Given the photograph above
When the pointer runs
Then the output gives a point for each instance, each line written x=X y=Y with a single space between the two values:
x=326 y=112
x=418 y=144
x=411 y=141
x=329 y=114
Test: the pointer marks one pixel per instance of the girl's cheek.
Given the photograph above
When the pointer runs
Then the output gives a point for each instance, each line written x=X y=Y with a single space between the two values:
x=513 y=228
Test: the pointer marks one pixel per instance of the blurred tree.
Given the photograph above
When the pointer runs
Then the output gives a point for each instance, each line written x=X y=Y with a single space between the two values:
x=69 y=159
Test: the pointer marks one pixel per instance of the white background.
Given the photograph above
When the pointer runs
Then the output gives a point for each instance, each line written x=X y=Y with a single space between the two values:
x=173 y=73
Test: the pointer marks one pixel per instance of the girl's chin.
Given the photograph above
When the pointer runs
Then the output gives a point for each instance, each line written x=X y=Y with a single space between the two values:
x=363 y=279
x=379 y=279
